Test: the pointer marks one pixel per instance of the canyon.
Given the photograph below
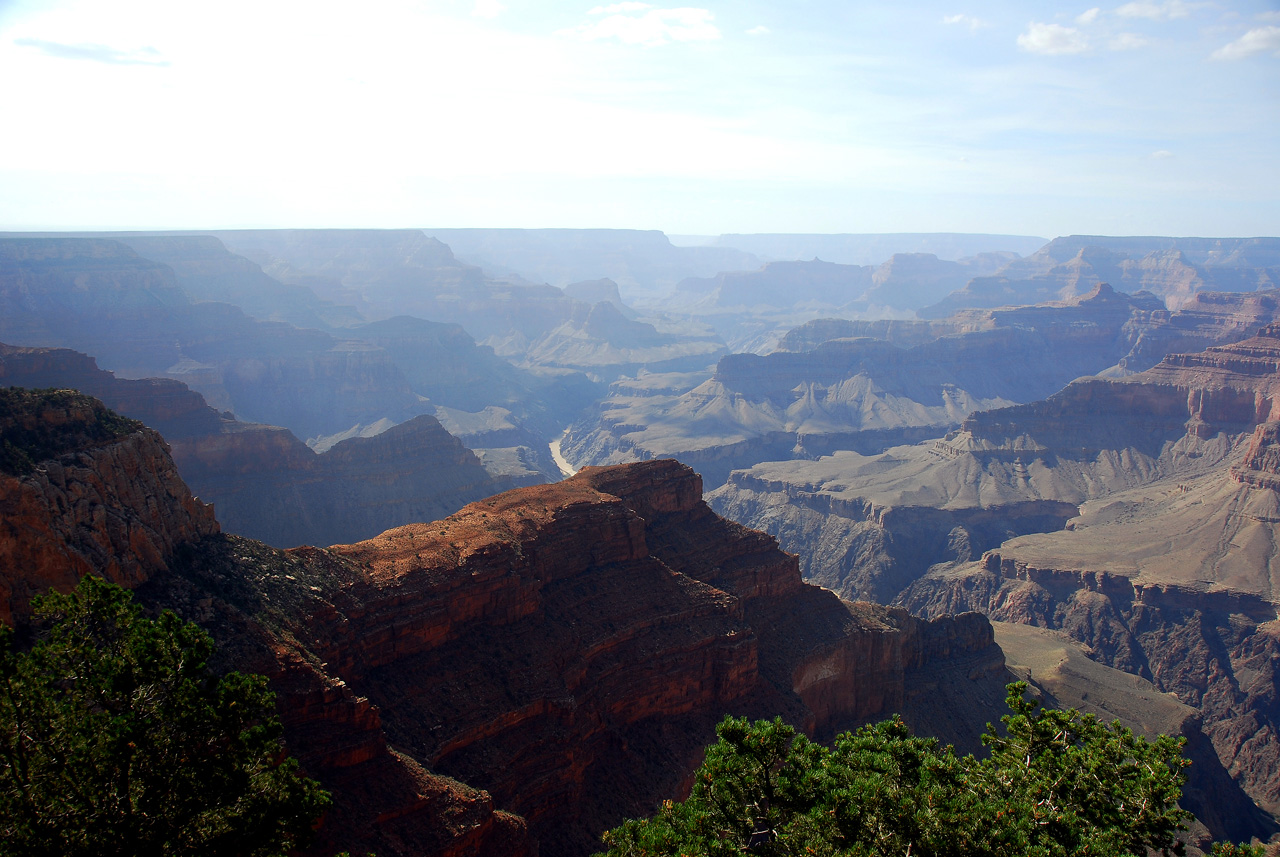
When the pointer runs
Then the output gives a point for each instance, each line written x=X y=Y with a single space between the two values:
x=1136 y=516
x=482 y=663
x=1173 y=269
x=866 y=386
x=612 y=613
x=265 y=482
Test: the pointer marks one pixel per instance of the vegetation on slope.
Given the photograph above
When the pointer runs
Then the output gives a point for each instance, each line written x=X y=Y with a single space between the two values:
x=1055 y=783
x=115 y=739
x=40 y=424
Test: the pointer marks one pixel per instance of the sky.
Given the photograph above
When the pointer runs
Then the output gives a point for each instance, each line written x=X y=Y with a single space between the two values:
x=1147 y=117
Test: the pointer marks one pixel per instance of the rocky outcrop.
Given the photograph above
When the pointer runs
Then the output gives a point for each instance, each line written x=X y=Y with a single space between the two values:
x=872 y=547
x=1215 y=651
x=267 y=484
x=861 y=393
x=595 y=291
x=252 y=598
x=1261 y=465
x=82 y=490
x=1226 y=388
x=1169 y=578
x=99 y=297
x=1174 y=269
x=568 y=648
x=635 y=617
x=872 y=524
x=600 y=340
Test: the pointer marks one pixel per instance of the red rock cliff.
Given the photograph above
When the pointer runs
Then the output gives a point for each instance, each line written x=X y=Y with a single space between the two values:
x=567 y=648
x=613 y=614
x=106 y=500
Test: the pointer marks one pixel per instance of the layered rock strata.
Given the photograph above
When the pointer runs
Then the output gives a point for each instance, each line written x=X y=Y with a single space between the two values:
x=1166 y=570
x=867 y=386
x=267 y=484
x=1174 y=269
x=82 y=491
x=635 y=618
x=568 y=648
x=872 y=524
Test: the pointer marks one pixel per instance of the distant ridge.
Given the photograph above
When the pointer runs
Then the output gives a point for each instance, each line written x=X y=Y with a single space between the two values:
x=873 y=248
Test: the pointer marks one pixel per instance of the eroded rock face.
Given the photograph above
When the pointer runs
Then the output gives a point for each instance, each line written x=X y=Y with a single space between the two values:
x=1261 y=464
x=568 y=648
x=264 y=482
x=1174 y=269
x=865 y=386
x=109 y=503
x=1217 y=652
x=616 y=614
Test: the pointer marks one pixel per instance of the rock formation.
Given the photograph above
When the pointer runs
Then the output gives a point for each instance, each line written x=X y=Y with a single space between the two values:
x=566 y=647
x=83 y=490
x=641 y=262
x=99 y=297
x=267 y=484
x=601 y=341
x=848 y=391
x=1174 y=269
x=1159 y=559
x=1011 y=471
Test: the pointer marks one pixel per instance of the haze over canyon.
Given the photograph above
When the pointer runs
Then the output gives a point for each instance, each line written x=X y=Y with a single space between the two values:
x=510 y=519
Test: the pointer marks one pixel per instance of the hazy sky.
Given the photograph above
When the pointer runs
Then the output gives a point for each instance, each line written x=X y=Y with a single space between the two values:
x=820 y=116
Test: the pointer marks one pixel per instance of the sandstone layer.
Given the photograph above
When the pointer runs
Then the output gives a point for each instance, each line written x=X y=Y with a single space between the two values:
x=568 y=648
x=1174 y=269
x=614 y=613
x=867 y=386
x=81 y=491
x=1161 y=556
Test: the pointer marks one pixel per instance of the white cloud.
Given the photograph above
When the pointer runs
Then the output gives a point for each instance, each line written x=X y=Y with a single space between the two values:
x=1157 y=11
x=641 y=24
x=1052 y=39
x=1086 y=18
x=619 y=8
x=966 y=21
x=1128 y=42
x=1257 y=41
x=487 y=9
x=760 y=30
x=1161 y=155
x=96 y=53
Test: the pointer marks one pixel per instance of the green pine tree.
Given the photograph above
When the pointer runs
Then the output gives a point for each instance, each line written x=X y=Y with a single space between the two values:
x=116 y=739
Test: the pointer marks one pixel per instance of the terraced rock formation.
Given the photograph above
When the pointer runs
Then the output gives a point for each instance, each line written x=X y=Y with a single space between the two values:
x=867 y=386
x=1173 y=269
x=267 y=484
x=100 y=297
x=568 y=648
x=1160 y=560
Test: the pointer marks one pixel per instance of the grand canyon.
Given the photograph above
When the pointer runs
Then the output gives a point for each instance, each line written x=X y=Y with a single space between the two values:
x=510 y=519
